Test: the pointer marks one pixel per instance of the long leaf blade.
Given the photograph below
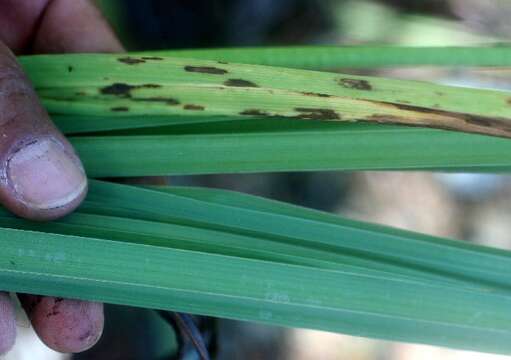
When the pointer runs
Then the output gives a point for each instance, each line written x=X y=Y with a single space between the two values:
x=328 y=57
x=105 y=84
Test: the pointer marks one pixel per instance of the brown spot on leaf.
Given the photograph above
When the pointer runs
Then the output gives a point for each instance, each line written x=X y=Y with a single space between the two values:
x=441 y=119
x=118 y=89
x=171 y=101
x=167 y=100
x=151 y=58
x=386 y=119
x=408 y=107
x=401 y=121
x=317 y=114
x=150 y=86
x=254 y=112
x=484 y=121
x=70 y=68
x=124 y=90
x=193 y=107
x=496 y=123
x=130 y=60
x=120 y=108
x=356 y=84
x=240 y=83
x=206 y=70
x=316 y=94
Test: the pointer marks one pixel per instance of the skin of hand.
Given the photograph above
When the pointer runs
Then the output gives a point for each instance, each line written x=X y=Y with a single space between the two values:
x=41 y=177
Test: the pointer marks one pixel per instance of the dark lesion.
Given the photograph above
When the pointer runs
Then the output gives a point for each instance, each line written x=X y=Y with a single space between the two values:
x=401 y=121
x=240 y=83
x=150 y=86
x=495 y=123
x=355 y=84
x=124 y=90
x=160 y=99
x=206 y=70
x=307 y=93
x=317 y=114
x=469 y=119
x=194 y=107
x=442 y=119
x=118 y=89
x=157 y=58
x=120 y=109
x=131 y=60
x=254 y=112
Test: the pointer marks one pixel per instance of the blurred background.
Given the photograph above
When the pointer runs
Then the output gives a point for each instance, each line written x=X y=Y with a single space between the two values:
x=468 y=207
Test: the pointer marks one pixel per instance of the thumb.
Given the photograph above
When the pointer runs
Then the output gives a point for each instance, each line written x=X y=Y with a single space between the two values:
x=41 y=178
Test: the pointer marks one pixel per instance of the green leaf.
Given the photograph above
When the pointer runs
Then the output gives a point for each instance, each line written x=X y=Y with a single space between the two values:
x=328 y=57
x=248 y=271
x=230 y=255
x=72 y=124
x=301 y=147
x=178 y=110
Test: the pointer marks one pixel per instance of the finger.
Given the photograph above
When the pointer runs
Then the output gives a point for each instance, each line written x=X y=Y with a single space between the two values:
x=55 y=26
x=41 y=177
x=64 y=26
x=18 y=19
x=74 y=26
x=71 y=26
x=64 y=325
x=7 y=323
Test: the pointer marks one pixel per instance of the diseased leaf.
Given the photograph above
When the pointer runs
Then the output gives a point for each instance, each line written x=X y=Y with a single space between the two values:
x=107 y=84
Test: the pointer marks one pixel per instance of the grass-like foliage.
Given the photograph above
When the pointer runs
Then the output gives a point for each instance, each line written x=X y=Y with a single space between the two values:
x=231 y=255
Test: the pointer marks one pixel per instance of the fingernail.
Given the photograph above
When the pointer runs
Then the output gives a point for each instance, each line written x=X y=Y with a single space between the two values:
x=44 y=176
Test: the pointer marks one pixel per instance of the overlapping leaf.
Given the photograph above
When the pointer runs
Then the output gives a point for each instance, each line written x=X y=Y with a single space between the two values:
x=225 y=254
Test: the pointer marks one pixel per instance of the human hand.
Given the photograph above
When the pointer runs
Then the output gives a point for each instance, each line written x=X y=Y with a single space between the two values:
x=41 y=178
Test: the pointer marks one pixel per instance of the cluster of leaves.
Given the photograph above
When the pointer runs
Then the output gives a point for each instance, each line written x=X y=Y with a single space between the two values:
x=231 y=255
